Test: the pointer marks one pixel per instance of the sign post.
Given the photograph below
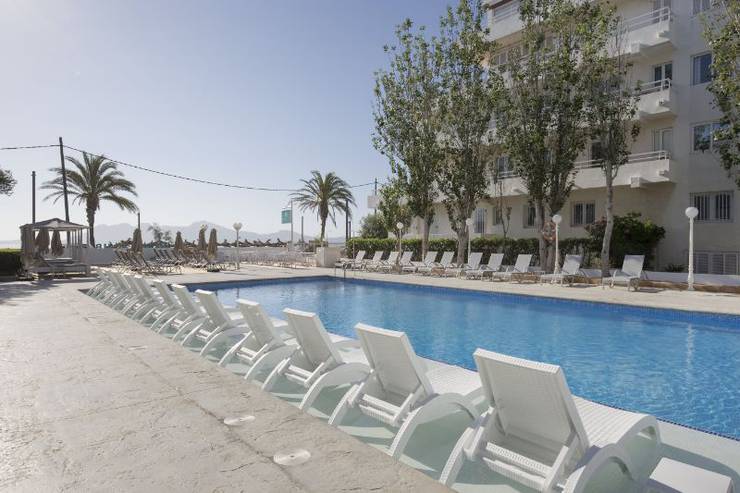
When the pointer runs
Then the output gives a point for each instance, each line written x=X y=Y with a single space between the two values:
x=286 y=216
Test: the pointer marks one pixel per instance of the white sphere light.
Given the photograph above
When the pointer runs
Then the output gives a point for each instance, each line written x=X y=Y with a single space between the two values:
x=469 y=221
x=692 y=212
x=557 y=218
x=237 y=226
x=399 y=225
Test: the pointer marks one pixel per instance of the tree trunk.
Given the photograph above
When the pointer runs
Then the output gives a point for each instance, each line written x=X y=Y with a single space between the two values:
x=425 y=235
x=91 y=226
x=323 y=231
x=462 y=243
x=606 y=243
x=540 y=213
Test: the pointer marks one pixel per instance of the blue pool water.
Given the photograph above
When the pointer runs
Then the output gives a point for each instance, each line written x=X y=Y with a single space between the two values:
x=680 y=366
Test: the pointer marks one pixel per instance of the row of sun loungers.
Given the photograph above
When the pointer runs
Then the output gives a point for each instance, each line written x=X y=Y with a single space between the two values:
x=523 y=421
x=629 y=275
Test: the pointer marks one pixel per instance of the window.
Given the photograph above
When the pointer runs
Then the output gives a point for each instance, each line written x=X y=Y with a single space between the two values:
x=503 y=166
x=663 y=140
x=713 y=206
x=702 y=136
x=479 y=223
x=716 y=262
x=530 y=216
x=702 y=6
x=663 y=72
x=658 y=13
x=701 y=69
x=498 y=216
x=583 y=213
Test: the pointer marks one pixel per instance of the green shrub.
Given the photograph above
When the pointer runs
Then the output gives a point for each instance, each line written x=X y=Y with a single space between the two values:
x=631 y=236
x=372 y=226
x=10 y=261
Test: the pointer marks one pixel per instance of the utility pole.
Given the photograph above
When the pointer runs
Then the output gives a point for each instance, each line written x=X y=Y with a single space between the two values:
x=375 y=209
x=291 y=225
x=64 y=184
x=302 y=230
x=33 y=197
x=346 y=221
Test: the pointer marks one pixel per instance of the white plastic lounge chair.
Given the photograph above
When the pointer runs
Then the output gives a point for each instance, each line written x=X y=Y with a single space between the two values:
x=358 y=260
x=521 y=266
x=404 y=261
x=188 y=319
x=350 y=263
x=388 y=263
x=428 y=261
x=168 y=309
x=218 y=326
x=630 y=273
x=373 y=262
x=262 y=346
x=535 y=432
x=403 y=390
x=493 y=265
x=444 y=262
x=473 y=264
x=571 y=268
x=102 y=285
x=319 y=363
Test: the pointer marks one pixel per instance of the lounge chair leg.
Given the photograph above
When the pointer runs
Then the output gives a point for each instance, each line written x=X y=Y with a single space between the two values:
x=276 y=373
x=343 y=407
x=231 y=352
x=456 y=460
x=211 y=343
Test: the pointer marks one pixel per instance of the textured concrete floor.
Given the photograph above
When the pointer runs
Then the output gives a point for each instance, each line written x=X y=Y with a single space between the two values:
x=90 y=401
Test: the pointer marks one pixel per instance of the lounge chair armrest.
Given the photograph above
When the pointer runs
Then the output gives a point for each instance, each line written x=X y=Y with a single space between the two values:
x=348 y=343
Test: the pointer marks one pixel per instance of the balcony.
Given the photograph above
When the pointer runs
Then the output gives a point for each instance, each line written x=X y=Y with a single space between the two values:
x=648 y=32
x=504 y=19
x=657 y=99
x=641 y=170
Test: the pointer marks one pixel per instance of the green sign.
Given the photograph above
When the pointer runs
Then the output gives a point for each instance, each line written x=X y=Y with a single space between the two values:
x=286 y=216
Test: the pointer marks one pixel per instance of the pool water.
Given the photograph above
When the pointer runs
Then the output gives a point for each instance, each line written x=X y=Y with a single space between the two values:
x=679 y=366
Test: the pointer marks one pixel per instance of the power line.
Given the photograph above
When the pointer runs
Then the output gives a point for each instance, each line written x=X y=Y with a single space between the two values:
x=18 y=148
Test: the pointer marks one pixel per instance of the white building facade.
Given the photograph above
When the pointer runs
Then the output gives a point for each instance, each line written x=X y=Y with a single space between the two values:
x=667 y=172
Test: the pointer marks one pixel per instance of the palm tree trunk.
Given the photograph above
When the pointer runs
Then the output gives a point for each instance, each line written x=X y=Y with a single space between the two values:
x=323 y=230
x=91 y=225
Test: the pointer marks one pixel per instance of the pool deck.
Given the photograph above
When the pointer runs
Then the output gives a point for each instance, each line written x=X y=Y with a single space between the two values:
x=94 y=401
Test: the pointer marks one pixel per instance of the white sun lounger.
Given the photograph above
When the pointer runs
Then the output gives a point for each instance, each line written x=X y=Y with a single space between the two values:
x=262 y=345
x=493 y=265
x=536 y=433
x=428 y=261
x=444 y=262
x=219 y=324
x=521 y=266
x=404 y=261
x=571 y=268
x=403 y=390
x=473 y=264
x=319 y=362
x=168 y=309
x=190 y=318
x=102 y=286
x=388 y=263
x=630 y=273
x=349 y=263
x=372 y=263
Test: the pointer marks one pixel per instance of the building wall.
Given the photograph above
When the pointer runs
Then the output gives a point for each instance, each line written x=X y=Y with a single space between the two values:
x=665 y=199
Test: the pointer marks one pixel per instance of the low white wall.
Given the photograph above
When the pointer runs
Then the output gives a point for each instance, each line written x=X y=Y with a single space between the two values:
x=680 y=277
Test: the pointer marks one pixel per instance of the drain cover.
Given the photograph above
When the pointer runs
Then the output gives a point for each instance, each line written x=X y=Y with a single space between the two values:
x=292 y=457
x=136 y=348
x=238 y=420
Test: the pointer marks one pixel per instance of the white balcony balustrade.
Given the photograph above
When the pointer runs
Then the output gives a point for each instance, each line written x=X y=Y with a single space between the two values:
x=657 y=99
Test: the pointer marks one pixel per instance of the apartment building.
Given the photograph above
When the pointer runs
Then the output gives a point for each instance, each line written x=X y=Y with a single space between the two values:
x=667 y=170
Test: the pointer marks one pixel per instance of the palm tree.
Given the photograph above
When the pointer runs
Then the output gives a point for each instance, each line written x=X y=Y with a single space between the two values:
x=325 y=195
x=91 y=182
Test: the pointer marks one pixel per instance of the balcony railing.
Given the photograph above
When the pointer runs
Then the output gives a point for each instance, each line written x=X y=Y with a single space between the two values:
x=647 y=19
x=505 y=11
x=640 y=157
x=655 y=86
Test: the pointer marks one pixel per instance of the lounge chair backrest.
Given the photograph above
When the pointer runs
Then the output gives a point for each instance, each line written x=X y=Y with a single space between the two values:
x=392 y=257
x=406 y=258
x=430 y=258
x=393 y=360
x=186 y=299
x=360 y=255
x=377 y=256
x=312 y=337
x=446 y=259
x=213 y=307
x=165 y=293
x=474 y=259
x=132 y=284
x=259 y=322
x=522 y=262
x=572 y=264
x=144 y=287
x=495 y=261
x=118 y=280
x=632 y=265
x=532 y=400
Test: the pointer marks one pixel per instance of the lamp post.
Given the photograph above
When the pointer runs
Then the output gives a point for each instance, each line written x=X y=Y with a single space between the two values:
x=557 y=219
x=468 y=224
x=237 y=227
x=399 y=227
x=691 y=213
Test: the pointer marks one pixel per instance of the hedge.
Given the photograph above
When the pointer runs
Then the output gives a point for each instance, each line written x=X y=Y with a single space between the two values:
x=10 y=261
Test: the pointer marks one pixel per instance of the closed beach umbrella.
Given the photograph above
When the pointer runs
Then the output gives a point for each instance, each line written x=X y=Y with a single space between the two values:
x=212 y=244
x=137 y=244
x=57 y=249
x=178 y=242
x=42 y=241
x=202 y=238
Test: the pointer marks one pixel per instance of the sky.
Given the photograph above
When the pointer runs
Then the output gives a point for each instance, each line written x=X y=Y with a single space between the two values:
x=245 y=92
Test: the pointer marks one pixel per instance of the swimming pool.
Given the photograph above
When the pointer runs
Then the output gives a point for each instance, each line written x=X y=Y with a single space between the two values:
x=680 y=366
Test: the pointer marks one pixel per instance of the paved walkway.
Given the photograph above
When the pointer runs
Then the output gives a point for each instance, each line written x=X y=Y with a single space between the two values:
x=92 y=401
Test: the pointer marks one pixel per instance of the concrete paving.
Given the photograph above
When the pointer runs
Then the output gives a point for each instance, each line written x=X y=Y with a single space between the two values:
x=92 y=401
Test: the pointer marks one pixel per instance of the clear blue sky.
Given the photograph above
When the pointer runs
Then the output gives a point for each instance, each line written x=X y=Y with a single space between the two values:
x=247 y=92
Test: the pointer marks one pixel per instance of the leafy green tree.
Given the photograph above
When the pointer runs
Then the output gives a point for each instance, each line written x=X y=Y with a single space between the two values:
x=160 y=236
x=7 y=182
x=407 y=123
x=373 y=226
x=325 y=195
x=393 y=207
x=722 y=32
x=611 y=108
x=466 y=105
x=632 y=236
x=541 y=120
x=91 y=181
